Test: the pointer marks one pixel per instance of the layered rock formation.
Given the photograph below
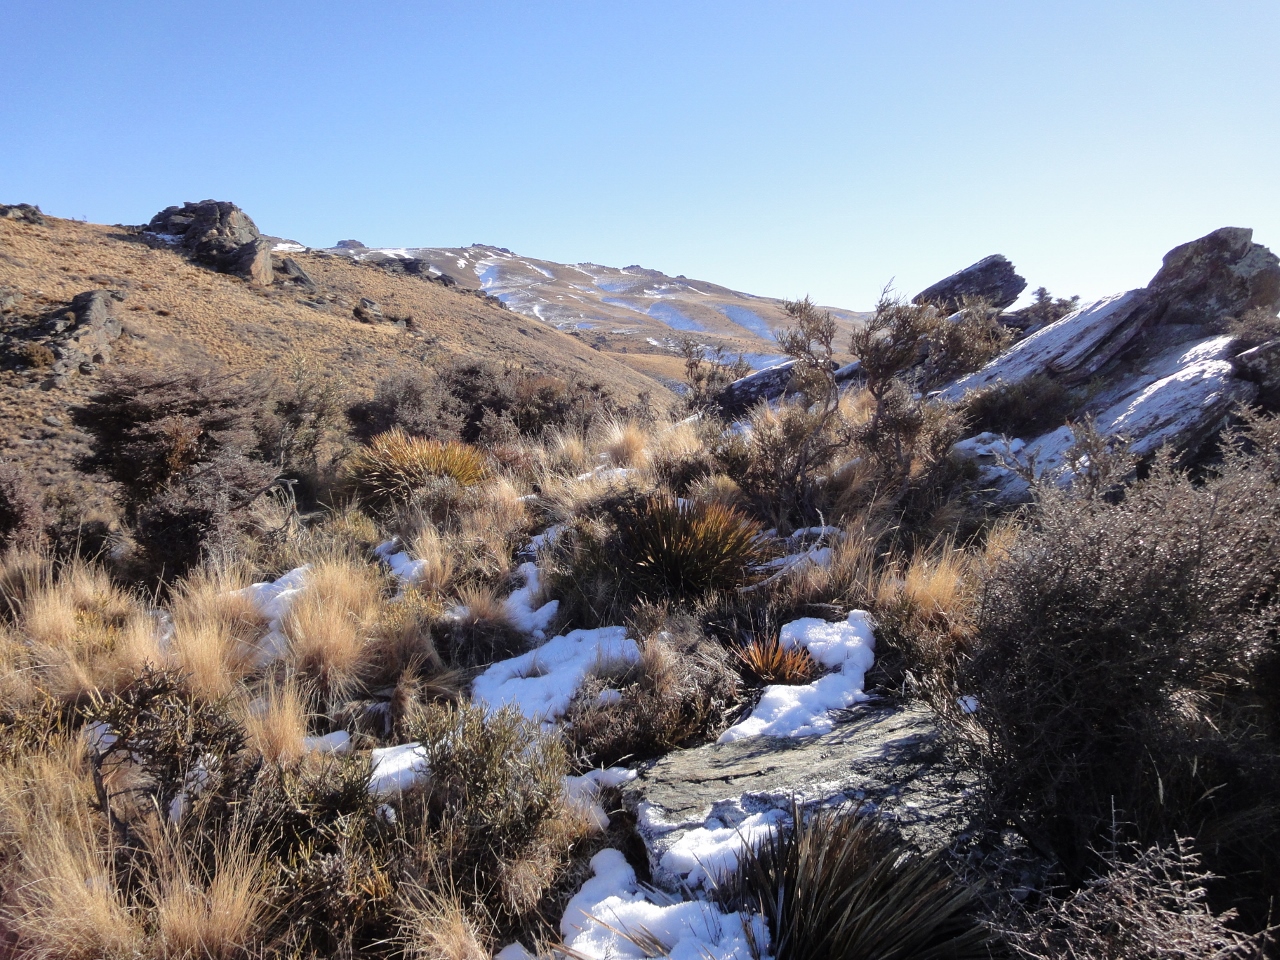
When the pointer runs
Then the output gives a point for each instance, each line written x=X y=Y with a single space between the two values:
x=992 y=279
x=219 y=235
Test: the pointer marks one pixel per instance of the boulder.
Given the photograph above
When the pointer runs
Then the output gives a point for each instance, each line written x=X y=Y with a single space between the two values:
x=1223 y=274
x=220 y=235
x=293 y=271
x=770 y=384
x=367 y=311
x=889 y=758
x=350 y=245
x=1261 y=365
x=991 y=278
x=77 y=337
x=24 y=212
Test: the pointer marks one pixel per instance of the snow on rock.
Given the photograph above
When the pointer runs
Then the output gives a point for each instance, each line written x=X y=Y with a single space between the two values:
x=707 y=855
x=848 y=648
x=583 y=793
x=611 y=906
x=397 y=768
x=1075 y=344
x=272 y=600
x=541 y=683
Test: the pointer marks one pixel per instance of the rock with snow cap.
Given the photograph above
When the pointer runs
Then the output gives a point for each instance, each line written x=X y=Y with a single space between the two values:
x=891 y=759
x=992 y=279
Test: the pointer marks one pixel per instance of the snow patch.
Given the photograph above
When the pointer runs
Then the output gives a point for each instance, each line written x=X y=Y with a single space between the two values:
x=804 y=710
x=612 y=906
x=541 y=683
x=709 y=854
x=397 y=768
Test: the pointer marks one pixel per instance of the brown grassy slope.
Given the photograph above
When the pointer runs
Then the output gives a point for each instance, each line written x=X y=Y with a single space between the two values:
x=176 y=312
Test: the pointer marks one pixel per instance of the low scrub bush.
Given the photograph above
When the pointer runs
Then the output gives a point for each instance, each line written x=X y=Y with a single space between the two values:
x=22 y=515
x=840 y=885
x=682 y=691
x=1149 y=907
x=1025 y=409
x=1120 y=660
x=396 y=468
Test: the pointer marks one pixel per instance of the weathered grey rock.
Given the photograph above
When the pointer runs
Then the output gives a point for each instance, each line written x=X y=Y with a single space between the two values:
x=1220 y=275
x=769 y=384
x=991 y=278
x=890 y=758
x=367 y=311
x=220 y=235
x=293 y=271
x=350 y=245
x=81 y=335
x=24 y=212
x=1261 y=365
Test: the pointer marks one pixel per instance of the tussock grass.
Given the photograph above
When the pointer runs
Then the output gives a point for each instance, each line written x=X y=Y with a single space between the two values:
x=838 y=885
x=395 y=466
x=768 y=661
x=276 y=721
x=215 y=631
x=330 y=625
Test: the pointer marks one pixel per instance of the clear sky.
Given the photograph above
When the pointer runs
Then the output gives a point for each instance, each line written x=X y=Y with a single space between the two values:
x=778 y=148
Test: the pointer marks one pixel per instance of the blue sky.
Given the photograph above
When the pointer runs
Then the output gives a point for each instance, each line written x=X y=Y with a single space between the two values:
x=777 y=148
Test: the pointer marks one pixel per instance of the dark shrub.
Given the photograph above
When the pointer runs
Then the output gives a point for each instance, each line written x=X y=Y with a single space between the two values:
x=181 y=444
x=837 y=885
x=680 y=693
x=964 y=343
x=22 y=516
x=1025 y=409
x=1119 y=663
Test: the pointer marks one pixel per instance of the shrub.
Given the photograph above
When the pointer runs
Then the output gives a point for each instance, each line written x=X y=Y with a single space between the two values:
x=964 y=343
x=395 y=467
x=407 y=401
x=496 y=789
x=680 y=693
x=22 y=516
x=35 y=355
x=1152 y=907
x=1119 y=661
x=766 y=660
x=179 y=443
x=840 y=885
x=1026 y=409
x=707 y=374
x=667 y=548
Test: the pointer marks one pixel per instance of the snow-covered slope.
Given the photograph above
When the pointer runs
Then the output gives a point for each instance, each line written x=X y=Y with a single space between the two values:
x=618 y=309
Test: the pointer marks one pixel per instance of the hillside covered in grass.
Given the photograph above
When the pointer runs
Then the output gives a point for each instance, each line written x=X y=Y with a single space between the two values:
x=964 y=648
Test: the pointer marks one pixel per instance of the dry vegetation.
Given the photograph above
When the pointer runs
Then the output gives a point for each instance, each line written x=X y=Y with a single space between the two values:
x=185 y=768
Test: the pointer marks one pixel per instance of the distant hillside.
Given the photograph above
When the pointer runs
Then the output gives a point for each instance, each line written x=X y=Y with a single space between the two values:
x=173 y=310
x=620 y=310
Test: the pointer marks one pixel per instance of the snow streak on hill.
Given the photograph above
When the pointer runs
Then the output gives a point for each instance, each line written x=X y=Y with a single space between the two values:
x=628 y=308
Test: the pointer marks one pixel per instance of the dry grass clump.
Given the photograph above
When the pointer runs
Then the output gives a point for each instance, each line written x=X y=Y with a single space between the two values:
x=626 y=444
x=681 y=692
x=215 y=912
x=766 y=660
x=839 y=885
x=330 y=625
x=216 y=629
x=276 y=722
x=395 y=467
x=83 y=631
x=479 y=631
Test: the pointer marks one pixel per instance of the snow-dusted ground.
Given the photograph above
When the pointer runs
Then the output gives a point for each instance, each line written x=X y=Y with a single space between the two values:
x=612 y=906
x=804 y=710
x=542 y=682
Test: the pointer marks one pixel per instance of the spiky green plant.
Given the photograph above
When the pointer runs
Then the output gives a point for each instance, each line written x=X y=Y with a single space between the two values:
x=839 y=886
x=682 y=550
x=395 y=466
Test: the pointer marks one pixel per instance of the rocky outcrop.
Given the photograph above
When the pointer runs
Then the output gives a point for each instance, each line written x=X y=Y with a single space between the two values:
x=1164 y=370
x=889 y=758
x=24 y=212
x=76 y=339
x=292 y=271
x=992 y=279
x=219 y=235
x=770 y=384
x=367 y=311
